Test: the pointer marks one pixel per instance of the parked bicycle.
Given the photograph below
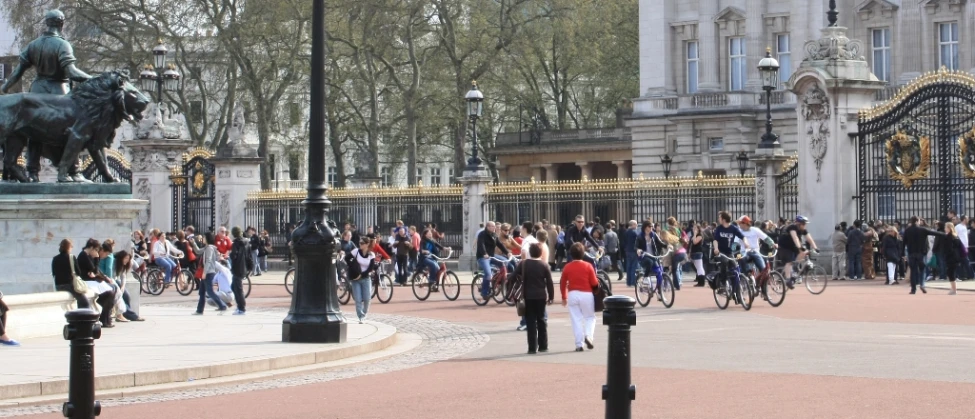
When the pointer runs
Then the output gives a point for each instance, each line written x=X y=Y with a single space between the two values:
x=447 y=282
x=499 y=276
x=646 y=287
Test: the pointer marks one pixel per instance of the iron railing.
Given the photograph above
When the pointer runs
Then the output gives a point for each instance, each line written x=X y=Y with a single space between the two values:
x=787 y=189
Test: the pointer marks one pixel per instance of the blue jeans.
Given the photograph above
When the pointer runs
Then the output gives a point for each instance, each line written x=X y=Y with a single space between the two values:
x=649 y=264
x=431 y=266
x=854 y=264
x=206 y=290
x=167 y=266
x=753 y=257
x=485 y=265
x=362 y=294
x=257 y=263
x=676 y=267
x=630 y=265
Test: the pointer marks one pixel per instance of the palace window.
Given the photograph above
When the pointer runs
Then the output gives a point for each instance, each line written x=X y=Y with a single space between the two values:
x=738 y=64
x=948 y=45
x=387 y=176
x=434 y=176
x=881 y=53
x=784 y=55
x=333 y=177
x=692 y=67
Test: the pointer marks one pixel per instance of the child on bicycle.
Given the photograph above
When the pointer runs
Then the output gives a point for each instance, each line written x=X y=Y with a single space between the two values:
x=650 y=244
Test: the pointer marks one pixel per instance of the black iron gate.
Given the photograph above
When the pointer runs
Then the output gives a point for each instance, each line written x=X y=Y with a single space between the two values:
x=916 y=152
x=194 y=193
x=787 y=189
x=117 y=165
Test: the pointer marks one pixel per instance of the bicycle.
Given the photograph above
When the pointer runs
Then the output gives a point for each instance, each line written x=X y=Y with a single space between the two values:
x=600 y=273
x=382 y=284
x=343 y=286
x=810 y=274
x=769 y=279
x=498 y=278
x=645 y=287
x=182 y=277
x=447 y=281
x=724 y=291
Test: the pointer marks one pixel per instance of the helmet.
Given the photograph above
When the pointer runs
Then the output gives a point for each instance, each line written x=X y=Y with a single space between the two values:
x=745 y=220
x=802 y=219
x=54 y=17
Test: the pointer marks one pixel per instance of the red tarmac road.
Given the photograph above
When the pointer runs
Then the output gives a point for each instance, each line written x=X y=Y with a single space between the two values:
x=558 y=385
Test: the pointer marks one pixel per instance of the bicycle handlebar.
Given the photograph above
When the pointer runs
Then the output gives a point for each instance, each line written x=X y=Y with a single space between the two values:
x=450 y=252
x=658 y=257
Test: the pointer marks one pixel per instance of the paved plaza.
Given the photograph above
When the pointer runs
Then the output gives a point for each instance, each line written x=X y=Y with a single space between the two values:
x=860 y=350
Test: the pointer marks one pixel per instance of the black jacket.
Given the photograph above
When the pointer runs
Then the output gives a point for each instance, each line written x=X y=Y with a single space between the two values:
x=891 y=248
x=658 y=245
x=854 y=240
x=241 y=261
x=85 y=266
x=916 y=239
x=574 y=235
x=486 y=244
x=537 y=279
x=951 y=249
x=355 y=271
x=263 y=243
x=61 y=269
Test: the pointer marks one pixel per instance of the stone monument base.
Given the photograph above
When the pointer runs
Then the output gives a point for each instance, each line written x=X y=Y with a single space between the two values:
x=32 y=225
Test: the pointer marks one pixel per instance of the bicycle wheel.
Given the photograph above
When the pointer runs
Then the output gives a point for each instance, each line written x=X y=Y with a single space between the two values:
x=775 y=289
x=344 y=293
x=747 y=292
x=289 y=281
x=421 y=285
x=184 y=282
x=247 y=286
x=141 y=277
x=666 y=291
x=384 y=292
x=450 y=286
x=816 y=280
x=605 y=278
x=498 y=289
x=643 y=293
x=513 y=293
x=154 y=282
x=476 y=291
x=721 y=295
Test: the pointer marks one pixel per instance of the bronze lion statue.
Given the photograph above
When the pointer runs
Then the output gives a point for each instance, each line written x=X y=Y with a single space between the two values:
x=59 y=127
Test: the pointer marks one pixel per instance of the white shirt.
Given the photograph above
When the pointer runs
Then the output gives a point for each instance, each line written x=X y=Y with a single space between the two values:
x=962 y=234
x=526 y=243
x=754 y=236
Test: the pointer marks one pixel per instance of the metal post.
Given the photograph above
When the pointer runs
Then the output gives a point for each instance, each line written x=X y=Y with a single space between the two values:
x=315 y=316
x=618 y=391
x=82 y=330
x=474 y=163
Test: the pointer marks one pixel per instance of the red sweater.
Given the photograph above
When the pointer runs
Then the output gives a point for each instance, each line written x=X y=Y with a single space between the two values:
x=380 y=252
x=578 y=275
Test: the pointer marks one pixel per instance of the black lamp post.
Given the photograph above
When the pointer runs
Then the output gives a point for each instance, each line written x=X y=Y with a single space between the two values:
x=315 y=316
x=475 y=108
x=158 y=76
x=666 y=160
x=742 y=162
x=769 y=69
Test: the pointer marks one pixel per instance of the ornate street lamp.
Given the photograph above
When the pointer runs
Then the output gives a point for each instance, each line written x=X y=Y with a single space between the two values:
x=475 y=108
x=769 y=69
x=666 y=160
x=315 y=316
x=158 y=76
x=742 y=162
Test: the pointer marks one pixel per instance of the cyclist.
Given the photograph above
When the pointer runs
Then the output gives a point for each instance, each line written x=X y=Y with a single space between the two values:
x=649 y=243
x=429 y=247
x=791 y=249
x=487 y=242
x=724 y=236
x=755 y=237
x=577 y=233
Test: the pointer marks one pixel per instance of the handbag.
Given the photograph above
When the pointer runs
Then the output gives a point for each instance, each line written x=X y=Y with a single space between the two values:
x=933 y=262
x=520 y=304
x=598 y=294
x=199 y=272
x=77 y=284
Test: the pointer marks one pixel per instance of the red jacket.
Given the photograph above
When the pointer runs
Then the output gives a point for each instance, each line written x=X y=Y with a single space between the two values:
x=380 y=252
x=223 y=245
x=578 y=275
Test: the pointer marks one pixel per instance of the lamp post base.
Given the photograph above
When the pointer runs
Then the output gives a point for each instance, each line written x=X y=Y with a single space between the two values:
x=314 y=331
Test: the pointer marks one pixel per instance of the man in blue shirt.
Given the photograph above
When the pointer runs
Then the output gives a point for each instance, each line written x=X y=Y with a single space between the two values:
x=724 y=236
x=630 y=258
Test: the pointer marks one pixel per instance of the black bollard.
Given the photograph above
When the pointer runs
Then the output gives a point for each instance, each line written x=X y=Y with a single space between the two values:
x=618 y=392
x=82 y=330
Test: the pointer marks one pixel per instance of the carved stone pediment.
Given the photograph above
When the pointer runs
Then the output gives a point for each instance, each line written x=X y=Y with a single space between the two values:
x=875 y=8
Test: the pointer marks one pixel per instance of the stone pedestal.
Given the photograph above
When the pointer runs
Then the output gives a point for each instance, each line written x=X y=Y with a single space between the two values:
x=152 y=160
x=768 y=164
x=236 y=176
x=475 y=184
x=832 y=85
x=33 y=225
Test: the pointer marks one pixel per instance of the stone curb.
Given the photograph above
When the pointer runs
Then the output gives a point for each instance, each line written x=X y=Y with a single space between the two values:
x=383 y=338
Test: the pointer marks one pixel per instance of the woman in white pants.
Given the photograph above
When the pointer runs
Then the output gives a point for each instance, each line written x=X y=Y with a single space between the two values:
x=578 y=281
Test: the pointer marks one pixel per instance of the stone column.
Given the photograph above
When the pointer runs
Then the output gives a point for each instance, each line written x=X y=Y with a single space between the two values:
x=537 y=172
x=768 y=164
x=551 y=172
x=755 y=42
x=656 y=49
x=152 y=161
x=621 y=172
x=238 y=172
x=475 y=183
x=586 y=170
x=709 y=51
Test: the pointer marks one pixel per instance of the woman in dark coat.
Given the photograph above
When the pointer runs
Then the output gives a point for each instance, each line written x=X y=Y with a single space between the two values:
x=539 y=291
x=952 y=252
x=891 y=249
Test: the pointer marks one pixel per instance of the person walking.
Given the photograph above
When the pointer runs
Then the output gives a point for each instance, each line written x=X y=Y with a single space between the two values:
x=539 y=291
x=838 y=240
x=870 y=236
x=891 y=250
x=210 y=258
x=697 y=254
x=361 y=262
x=951 y=249
x=854 y=251
x=241 y=262
x=916 y=242
x=630 y=259
x=578 y=281
x=403 y=245
x=612 y=243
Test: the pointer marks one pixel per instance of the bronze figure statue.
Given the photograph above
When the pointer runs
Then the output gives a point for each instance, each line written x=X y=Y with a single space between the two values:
x=52 y=58
x=59 y=127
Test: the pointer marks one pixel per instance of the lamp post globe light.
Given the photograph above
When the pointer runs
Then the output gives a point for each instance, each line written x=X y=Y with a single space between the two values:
x=158 y=76
x=742 y=162
x=475 y=108
x=666 y=160
x=768 y=67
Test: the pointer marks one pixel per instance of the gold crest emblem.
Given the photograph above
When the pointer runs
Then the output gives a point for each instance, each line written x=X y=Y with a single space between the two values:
x=908 y=159
x=966 y=154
